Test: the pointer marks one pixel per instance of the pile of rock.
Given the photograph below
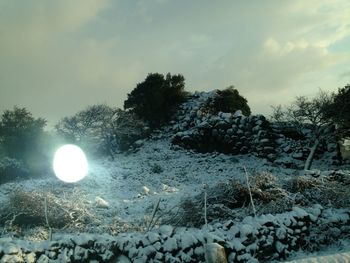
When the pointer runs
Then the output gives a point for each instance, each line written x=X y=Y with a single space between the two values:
x=222 y=132
x=254 y=239
x=197 y=128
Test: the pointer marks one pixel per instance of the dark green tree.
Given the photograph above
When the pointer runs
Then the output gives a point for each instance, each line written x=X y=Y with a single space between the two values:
x=20 y=133
x=22 y=138
x=338 y=110
x=155 y=99
x=229 y=100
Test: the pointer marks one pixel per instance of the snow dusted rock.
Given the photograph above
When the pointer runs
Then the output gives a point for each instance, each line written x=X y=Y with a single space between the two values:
x=43 y=259
x=83 y=240
x=166 y=230
x=80 y=254
x=122 y=259
x=170 y=244
x=145 y=190
x=204 y=125
x=101 y=203
x=11 y=258
x=188 y=240
x=238 y=113
x=262 y=238
x=30 y=258
x=153 y=237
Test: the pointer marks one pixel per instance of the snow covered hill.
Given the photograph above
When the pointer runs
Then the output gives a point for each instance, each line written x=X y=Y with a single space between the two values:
x=164 y=183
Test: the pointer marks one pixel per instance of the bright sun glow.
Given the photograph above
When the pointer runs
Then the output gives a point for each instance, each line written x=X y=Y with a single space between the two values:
x=70 y=164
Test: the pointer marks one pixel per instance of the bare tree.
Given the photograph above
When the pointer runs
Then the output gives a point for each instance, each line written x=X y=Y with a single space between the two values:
x=307 y=112
x=92 y=126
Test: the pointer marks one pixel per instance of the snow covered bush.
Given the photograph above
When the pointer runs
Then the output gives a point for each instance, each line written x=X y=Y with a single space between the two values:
x=12 y=169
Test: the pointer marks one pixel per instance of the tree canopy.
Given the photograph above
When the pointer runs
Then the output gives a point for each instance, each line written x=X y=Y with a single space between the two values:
x=20 y=133
x=155 y=99
x=229 y=100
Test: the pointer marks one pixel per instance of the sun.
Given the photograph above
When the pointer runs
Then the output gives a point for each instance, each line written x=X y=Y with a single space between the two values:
x=70 y=164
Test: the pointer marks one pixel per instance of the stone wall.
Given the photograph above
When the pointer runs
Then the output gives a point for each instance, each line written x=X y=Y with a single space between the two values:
x=196 y=128
x=255 y=239
x=224 y=132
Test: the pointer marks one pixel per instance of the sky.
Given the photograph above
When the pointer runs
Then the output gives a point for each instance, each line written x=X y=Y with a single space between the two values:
x=59 y=56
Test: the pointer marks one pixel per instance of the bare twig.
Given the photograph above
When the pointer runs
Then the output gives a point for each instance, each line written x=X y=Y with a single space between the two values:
x=156 y=207
x=205 y=205
x=250 y=192
x=47 y=220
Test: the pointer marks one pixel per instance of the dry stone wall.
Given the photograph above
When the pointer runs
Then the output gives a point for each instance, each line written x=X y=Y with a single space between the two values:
x=195 y=128
x=255 y=239
x=223 y=132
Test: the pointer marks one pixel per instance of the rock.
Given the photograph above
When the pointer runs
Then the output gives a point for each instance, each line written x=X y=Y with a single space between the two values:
x=12 y=259
x=122 y=259
x=153 y=237
x=145 y=190
x=84 y=240
x=215 y=253
x=238 y=113
x=264 y=141
x=166 y=230
x=12 y=249
x=187 y=240
x=230 y=131
x=30 y=258
x=43 y=259
x=226 y=115
x=170 y=245
x=80 y=254
x=271 y=156
x=101 y=203
x=139 y=143
x=204 y=125
x=287 y=149
x=298 y=155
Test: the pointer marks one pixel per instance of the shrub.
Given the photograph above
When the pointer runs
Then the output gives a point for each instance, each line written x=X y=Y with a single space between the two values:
x=127 y=129
x=229 y=100
x=12 y=169
x=339 y=110
x=155 y=99
x=27 y=208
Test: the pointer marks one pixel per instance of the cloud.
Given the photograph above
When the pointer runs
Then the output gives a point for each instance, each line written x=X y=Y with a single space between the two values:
x=82 y=52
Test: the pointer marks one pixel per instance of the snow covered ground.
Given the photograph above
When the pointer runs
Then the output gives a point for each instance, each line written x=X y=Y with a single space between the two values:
x=133 y=183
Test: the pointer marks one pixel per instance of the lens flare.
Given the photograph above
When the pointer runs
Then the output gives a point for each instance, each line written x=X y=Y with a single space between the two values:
x=70 y=164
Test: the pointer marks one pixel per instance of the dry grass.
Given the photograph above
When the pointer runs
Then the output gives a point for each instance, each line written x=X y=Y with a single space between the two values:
x=26 y=209
x=330 y=190
x=231 y=200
